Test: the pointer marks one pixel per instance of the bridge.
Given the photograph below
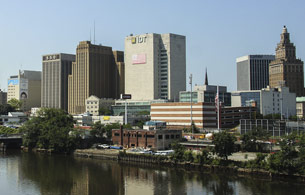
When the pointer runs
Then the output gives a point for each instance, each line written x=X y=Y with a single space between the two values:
x=10 y=141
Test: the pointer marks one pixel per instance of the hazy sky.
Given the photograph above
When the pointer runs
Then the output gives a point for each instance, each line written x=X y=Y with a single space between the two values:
x=216 y=31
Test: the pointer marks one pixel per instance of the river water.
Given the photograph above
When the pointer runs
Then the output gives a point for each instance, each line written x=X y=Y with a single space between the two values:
x=28 y=173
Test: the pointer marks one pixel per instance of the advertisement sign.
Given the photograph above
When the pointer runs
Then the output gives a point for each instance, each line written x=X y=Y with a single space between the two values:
x=139 y=59
x=106 y=118
x=23 y=88
x=13 y=82
x=125 y=96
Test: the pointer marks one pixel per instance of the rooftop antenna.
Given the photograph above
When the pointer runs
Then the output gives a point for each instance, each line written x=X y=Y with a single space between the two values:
x=90 y=34
x=94 y=32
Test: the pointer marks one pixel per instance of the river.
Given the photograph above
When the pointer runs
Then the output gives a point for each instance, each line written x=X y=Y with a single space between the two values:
x=28 y=173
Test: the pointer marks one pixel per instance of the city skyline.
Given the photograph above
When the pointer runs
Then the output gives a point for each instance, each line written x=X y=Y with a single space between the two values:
x=216 y=33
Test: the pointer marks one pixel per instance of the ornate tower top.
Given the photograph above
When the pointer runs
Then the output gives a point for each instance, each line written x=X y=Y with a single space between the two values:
x=285 y=50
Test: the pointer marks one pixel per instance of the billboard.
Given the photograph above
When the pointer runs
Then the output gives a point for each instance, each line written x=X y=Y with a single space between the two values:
x=13 y=82
x=139 y=59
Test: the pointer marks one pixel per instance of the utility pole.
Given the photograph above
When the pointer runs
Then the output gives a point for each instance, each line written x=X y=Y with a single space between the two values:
x=191 y=83
x=218 y=114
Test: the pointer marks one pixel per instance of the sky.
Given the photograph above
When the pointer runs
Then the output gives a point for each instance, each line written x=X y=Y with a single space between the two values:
x=217 y=31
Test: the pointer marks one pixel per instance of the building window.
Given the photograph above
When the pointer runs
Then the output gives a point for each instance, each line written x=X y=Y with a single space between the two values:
x=178 y=136
x=150 y=136
x=166 y=136
x=116 y=134
x=159 y=136
x=139 y=135
x=172 y=136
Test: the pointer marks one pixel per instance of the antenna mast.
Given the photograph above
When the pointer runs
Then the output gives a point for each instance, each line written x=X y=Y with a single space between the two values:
x=94 y=32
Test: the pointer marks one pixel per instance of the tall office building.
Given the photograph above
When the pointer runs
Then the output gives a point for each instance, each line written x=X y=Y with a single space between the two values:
x=286 y=69
x=26 y=87
x=3 y=97
x=95 y=72
x=54 y=87
x=155 y=66
x=253 y=71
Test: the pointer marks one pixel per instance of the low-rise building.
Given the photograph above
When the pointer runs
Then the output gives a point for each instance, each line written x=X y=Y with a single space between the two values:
x=179 y=114
x=134 y=107
x=206 y=93
x=268 y=100
x=93 y=104
x=300 y=107
x=87 y=119
x=154 y=139
x=231 y=116
x=13 y=118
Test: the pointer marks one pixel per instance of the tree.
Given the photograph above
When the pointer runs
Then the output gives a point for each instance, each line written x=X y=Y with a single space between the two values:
x=224 y=144
x=272 y=116
x=179 y=151
x=51 y=129
x=6 y=108
x=286 y=160
x=104 y=111
x=98 y=130
x=251 y=141
x=16 y=104
x=8 y=130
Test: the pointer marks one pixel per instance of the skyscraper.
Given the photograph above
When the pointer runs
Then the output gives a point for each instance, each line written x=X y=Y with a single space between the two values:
x=95 y=72
x=54 y=88
x=26 y=87
x=286 y=69
x=253 y=72
x=155 y=66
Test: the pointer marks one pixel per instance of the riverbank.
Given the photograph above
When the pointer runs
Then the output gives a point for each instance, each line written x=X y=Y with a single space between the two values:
x=231 y=166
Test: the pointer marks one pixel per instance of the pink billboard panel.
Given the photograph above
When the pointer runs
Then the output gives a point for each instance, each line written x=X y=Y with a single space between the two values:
x=139 y=59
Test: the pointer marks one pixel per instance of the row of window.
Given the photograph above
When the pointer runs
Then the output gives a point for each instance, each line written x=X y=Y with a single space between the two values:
x=167 y=136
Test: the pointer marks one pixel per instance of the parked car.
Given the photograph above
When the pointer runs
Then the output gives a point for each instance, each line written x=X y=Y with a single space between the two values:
x=104 y=146
x=116 y=147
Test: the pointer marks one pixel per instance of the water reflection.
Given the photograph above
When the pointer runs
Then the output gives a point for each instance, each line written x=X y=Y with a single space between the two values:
x=26 y=173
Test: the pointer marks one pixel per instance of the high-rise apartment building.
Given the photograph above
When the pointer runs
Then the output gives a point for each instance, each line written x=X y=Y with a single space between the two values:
x=155 y=66
x=26 y=87
x=54 y=87
x=286 y=69
x=253 y=71
x=96 y=71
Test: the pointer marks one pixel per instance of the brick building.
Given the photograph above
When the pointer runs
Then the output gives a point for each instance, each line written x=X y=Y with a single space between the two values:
x=154 y=139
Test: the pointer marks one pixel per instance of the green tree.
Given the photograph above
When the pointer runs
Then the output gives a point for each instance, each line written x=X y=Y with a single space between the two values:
x=286 y=160
x=98 y=130
x=51 y=129
x=6 y=108
x=16 y=104
x=179 y=151
x=8 y=130
x=224 y=144
x=252 y=140
x=272 y=116
x=104 y=111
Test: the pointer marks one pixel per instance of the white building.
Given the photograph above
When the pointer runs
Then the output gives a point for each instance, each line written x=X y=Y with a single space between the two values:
x=13 y=118
x=86 y=119
x=93 y=104
x=155 y=66
x=268 y=100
